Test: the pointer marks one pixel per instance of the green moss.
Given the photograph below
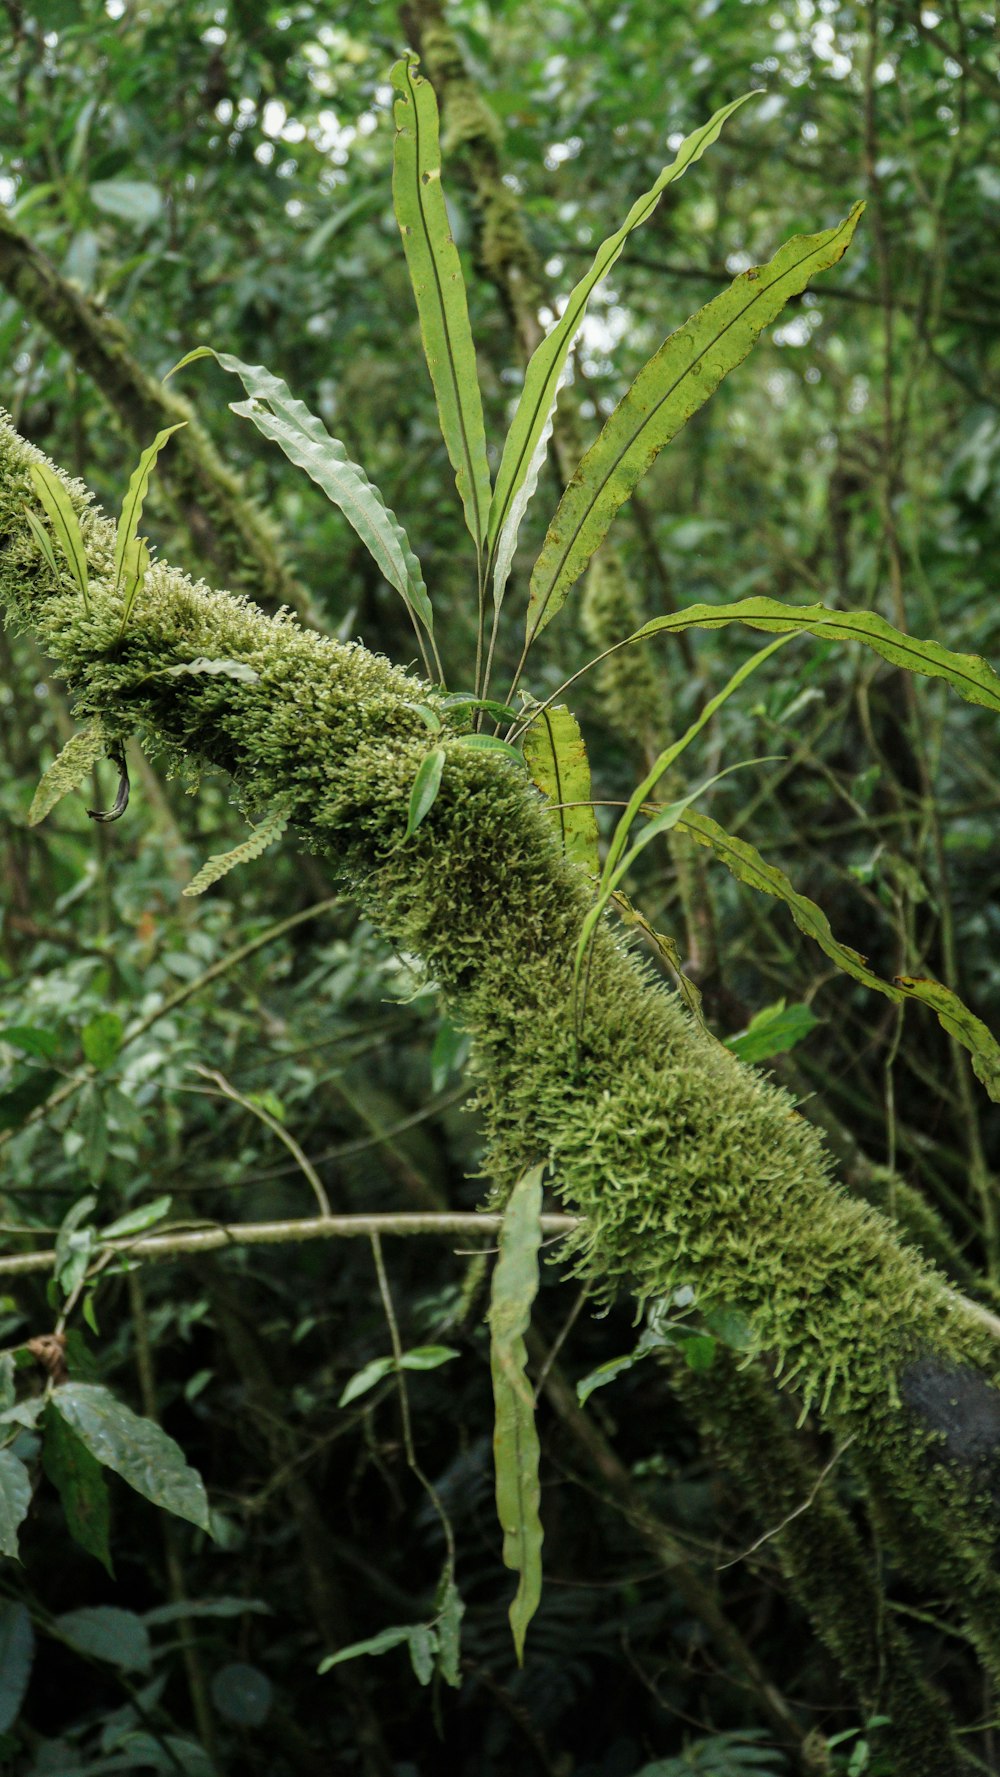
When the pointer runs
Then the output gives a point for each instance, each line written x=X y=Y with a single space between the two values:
x=688 y=1167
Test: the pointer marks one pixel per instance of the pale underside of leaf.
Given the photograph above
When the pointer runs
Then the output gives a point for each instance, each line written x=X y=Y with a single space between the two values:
x=307 y=443
x=556 y=757
x=746 y=863
x=515 y=1436
x=530 y=430
x=267 y=833
x=439 y=289
x=67 y=771
x=672 y=386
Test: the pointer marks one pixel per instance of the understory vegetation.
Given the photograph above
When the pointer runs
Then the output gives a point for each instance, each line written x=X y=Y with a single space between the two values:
x=499 y=965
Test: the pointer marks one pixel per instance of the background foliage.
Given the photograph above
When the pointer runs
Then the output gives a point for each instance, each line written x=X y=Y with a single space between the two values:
x=220 y=174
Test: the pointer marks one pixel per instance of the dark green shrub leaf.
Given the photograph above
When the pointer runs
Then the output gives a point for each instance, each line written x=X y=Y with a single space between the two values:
x=17 y=1651
x=133 y=1448
x=82 y=1488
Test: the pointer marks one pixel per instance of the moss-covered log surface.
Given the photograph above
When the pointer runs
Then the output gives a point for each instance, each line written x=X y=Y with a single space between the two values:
x=690 y=1168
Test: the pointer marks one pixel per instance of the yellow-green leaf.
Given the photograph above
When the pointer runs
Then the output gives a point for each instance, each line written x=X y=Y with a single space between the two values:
x=67 y=771
x=671 y=387
x=439 y=287
x=531 y=427
x=748 y=866
x=61 y=514
x=967 y=674
x=134 y=568
x=556 y=758
x=426 y=785
x=135 y=497
x=515 y=1436
x=269 y=830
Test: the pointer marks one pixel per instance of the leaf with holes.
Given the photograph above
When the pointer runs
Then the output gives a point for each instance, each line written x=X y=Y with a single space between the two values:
x=516 y=1450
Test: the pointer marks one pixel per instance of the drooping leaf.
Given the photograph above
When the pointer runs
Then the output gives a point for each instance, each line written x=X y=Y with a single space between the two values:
x=288 y=422
x=527 y=440
x=375 y=1644
x=29 y=1091
x=772 y=1031
x=15 y=1498
x=135 y=497
x=973 y=678
x=557 y=761
x=67 y=771
x=61 y=514
x=448 y=1625
x=266 y=833
x=105 y=1632
x=74 y=1245
x=672 y=386
x=17 y=1653
x=136 y=1449
x=426 y=785
x=515 y=1435
x=746 y=863
x=81 y=1485
x=439 y=288
x=365 y=1379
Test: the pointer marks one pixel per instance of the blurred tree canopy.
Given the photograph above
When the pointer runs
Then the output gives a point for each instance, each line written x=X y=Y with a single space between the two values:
x=176 y=175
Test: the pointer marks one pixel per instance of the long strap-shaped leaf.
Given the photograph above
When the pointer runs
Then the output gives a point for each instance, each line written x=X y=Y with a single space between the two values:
x=135 y=497
x=671 y=387
x=307 y=443
x=973 y=678
x=436 y=275
x=515 y=1435
x=746 y=863
x=531 y=427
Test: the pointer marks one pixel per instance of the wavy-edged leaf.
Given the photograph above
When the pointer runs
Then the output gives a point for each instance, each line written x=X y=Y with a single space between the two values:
x=515 y=1435
x=67 y=771
x=15 y=1498
x=134 y=1448
x=439 y=288
x=426 y=785
x=530 y=429
x=307 y=443
x=266 y=833
x=227 y=669
x=671 y=387
x=61 y=514
x=17 y=1652
x=746 y=863
x=972 y=677
x=557 y=762
x=135 y=497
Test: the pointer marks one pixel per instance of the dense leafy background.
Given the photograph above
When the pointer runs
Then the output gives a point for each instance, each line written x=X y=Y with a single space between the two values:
x=220 y=174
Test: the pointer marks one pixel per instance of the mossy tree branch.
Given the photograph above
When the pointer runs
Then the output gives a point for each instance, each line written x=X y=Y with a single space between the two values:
x=689 y=1168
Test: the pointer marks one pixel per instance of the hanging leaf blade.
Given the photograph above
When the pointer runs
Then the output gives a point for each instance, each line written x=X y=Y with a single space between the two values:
x=15 y=1498
x=266 y=833
x=672 y=386
x=67 y=771
x=557 y=762
x=79 y=1480
x=530 y=429
x=439 y=289
x=516 y=1451
x=136 y=1449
